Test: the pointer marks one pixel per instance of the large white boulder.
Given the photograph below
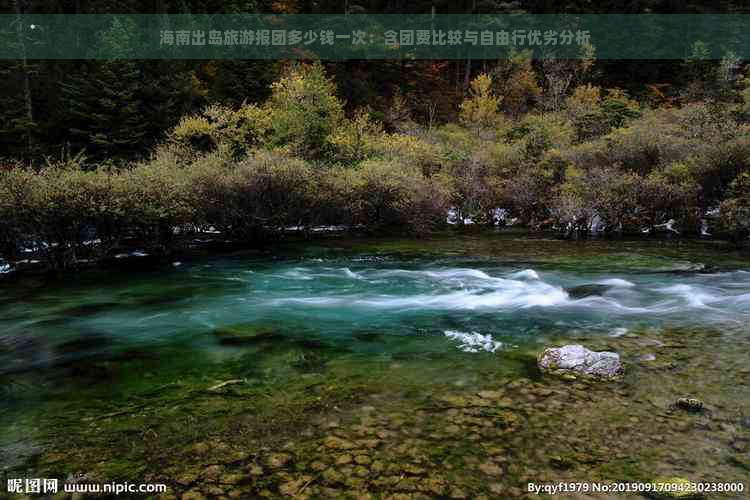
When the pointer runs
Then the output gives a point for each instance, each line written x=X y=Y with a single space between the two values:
x=576 y=360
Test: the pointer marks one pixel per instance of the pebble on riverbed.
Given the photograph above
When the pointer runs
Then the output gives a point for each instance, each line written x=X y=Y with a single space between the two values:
x=692 y=405
x=674 y=487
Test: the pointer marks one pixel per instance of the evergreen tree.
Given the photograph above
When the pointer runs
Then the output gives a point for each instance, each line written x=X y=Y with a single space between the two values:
x=105 y=110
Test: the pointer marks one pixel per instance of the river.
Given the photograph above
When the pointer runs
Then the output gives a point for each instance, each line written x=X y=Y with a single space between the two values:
x=418 y=356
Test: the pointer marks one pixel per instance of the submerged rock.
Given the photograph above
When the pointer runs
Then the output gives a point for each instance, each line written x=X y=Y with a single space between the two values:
x=291 y=488
x=244 y=334
x=692 y=405
x=212 y=473
x=583 y=291
x=193 y=495
x=491 y=469
x=337 y=443
x=577 y=360
x=278 y=460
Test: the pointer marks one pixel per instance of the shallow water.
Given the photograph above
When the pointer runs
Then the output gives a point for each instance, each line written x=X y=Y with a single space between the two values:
x=112 y=361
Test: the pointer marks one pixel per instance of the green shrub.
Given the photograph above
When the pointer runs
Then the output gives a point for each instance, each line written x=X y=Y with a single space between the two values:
x=539 y=133
x=57 y=210
x=456 y=142
x=605 y=191
x=390 y=193
x=335 y=200
x=195 y=132
x=670 y=193
x=18 y=190
x=528 y=193
x=618 y=109
x=696 y=135
x=645 y=144
x=594 y=116
x=734 y=212
x=355 y=140
x=237 y=131
x=571 y=207
x=256 y=198
x=156 y=203
x=718 y=163
x=418 y=151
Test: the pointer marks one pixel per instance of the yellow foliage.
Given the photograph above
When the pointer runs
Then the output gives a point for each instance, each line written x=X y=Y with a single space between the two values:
x=353 y=140
x=585 y=99
x=480 y=109
x=406 y=148
x=192 y=126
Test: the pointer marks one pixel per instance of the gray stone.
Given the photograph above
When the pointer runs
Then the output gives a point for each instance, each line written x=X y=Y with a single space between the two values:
x=583 y=291
x=576 y=360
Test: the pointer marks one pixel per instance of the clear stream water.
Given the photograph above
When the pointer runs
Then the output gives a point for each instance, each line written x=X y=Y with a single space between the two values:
x=411 y=303
x=459 y=303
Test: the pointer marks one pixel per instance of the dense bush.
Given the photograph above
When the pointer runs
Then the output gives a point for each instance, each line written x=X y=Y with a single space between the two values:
x=670 y=193
x=594 y=115
x=735 y=210
x=626 y=201
x=540 y=133
x=155 y=201
x=268 y=192
x=392 y=193
x=356 y=139
x=606 y=192
x=238 y=131
x=58 y=211
x=254 y=171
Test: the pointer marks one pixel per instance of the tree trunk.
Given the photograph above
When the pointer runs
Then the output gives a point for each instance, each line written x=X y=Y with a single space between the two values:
x=467 y=76
x=26 y=79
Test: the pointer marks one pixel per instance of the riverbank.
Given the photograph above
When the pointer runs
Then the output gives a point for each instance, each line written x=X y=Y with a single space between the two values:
x=212 y=244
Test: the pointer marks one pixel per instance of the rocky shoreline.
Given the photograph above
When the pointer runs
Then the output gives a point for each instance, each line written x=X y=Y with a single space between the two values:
x=458 y=443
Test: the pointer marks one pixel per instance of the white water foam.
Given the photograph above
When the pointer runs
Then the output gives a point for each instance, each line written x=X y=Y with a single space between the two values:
x=528 y=274
x=617 y=282
x=455 y=289
x=351 y=274
x=618 y=332
x=693 y=295
x=298 y=273
x=473 y=341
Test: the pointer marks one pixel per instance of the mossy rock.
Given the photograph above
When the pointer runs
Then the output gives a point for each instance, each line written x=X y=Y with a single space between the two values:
x=680 y=486
x=245 y=334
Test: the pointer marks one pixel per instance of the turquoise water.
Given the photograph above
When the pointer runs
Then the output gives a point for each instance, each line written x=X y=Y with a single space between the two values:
x=364 y=304
x=448 y=311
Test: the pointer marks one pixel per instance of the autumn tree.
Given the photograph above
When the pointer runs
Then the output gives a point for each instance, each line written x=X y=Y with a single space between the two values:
x=515 y=80
x=480 y=109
